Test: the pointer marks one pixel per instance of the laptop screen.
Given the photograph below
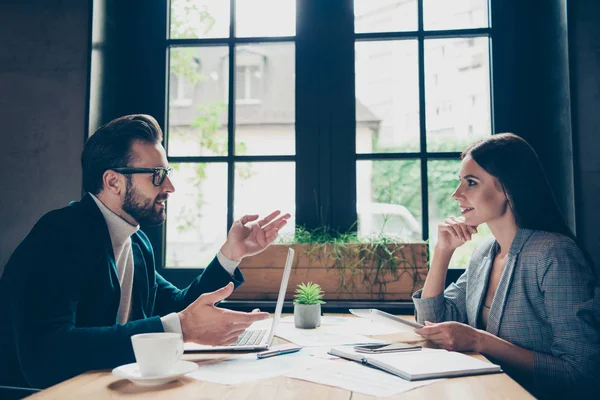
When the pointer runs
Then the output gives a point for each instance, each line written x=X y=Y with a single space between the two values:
x=282 y=289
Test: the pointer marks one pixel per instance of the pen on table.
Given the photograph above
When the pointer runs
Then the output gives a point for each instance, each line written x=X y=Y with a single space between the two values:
x=277 y=353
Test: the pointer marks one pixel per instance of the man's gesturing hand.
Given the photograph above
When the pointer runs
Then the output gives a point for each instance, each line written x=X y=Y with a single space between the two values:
x=249 y=236
x=203 y=323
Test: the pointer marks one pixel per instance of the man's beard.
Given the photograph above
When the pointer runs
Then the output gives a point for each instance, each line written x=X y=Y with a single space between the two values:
x=142 y=208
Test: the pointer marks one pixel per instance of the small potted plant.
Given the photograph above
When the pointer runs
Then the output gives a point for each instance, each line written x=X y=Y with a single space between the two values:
x=307 y=305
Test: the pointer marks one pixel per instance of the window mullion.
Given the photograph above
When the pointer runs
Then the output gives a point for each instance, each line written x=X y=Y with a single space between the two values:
x=231 y=118
x=310 y=112
x=423 y=126
x=341 y=98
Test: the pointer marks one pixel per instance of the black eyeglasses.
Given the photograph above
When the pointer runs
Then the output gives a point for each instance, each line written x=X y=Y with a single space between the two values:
x=158 y=174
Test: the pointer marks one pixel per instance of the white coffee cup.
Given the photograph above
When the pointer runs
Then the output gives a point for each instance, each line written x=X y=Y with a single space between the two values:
x=157 y=353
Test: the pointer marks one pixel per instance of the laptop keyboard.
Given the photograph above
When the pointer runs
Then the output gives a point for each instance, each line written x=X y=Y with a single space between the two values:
x=250 y=337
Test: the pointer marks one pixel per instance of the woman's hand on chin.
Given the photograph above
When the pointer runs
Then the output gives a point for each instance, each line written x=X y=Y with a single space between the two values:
x=453 y=232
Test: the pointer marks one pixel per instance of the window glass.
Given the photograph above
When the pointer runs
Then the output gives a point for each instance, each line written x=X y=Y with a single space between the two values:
x=197 y=214
x=455 y=14
x=457 y=92
x=265 y=18
x=389 y=198
x=387 y=96
x=199 y=19
x=198 y=84
x=385 y=15
x=265 y=99
x=263 y=187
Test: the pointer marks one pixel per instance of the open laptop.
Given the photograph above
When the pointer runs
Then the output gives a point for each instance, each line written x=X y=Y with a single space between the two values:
x=254 y=339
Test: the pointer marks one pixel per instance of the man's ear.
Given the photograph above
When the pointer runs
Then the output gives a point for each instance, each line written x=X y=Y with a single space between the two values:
x=113 y=182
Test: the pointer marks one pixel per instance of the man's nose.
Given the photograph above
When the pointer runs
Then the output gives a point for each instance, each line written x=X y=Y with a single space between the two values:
x=168 y=185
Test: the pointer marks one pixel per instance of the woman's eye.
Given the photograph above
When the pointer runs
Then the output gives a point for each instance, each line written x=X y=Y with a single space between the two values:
x=471 y=182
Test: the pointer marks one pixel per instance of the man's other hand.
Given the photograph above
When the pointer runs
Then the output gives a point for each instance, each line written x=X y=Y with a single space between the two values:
x=202 y=322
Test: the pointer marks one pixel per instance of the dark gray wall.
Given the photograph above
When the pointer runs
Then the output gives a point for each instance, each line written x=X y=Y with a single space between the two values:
x=43 y=89
x=584 y=49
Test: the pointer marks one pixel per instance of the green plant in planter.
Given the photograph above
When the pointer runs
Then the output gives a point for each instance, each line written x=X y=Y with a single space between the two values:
x=381 y=252
x=310 y=293
x=307 y=305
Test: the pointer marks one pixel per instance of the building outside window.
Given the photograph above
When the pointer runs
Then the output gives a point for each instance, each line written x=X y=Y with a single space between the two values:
x=422 y=93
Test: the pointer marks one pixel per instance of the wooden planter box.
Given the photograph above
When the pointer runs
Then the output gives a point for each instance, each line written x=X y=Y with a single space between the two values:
x=357 y=272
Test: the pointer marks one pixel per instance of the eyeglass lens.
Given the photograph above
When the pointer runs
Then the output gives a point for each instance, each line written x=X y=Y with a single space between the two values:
x=160 y=175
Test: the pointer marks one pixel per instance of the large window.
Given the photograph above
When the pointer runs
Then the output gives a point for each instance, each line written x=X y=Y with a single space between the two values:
x=343 y=120
x=229 y=156
x=422 y=95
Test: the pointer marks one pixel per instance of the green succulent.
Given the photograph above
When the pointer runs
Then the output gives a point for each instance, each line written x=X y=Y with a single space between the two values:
x=308 y=293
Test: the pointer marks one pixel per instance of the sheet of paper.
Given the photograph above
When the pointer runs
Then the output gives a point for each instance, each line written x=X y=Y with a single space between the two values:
x=247 y=367
x=355 y=325
x=322 y=336
x=358 y=378
x=321 y=352
x=370 y=328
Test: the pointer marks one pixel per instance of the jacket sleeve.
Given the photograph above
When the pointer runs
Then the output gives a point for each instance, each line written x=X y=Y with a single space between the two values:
x=170 y=299
x=46 y=290
x=447 y=306
x=572 y=305
x=451 y=305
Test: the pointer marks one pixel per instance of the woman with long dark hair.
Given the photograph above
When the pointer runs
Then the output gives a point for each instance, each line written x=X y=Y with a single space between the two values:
x=529 y=298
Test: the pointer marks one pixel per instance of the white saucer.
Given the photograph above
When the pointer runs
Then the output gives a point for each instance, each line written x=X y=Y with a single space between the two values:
x=132 y=372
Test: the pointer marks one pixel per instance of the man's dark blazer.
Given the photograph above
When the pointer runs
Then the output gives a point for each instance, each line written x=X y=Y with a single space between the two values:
x=59 y=299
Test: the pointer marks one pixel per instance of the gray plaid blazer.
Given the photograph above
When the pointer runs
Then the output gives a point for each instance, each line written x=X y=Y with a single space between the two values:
x=547 y=301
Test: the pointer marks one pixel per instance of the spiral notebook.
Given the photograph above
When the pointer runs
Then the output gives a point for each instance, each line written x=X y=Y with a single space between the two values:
x=419 y=365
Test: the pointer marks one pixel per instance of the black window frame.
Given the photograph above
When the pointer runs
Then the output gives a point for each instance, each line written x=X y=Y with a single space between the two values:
x=182 y=275
x=325 y=136
x=421 y=35
x=128 y=75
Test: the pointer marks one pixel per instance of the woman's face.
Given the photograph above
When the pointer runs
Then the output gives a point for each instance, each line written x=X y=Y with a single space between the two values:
x=479 y=194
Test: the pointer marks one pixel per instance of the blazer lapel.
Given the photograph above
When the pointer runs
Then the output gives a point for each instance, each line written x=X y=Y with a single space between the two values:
x=502 y=292
x=100 y=239
x=140 y=294
x=114 y=277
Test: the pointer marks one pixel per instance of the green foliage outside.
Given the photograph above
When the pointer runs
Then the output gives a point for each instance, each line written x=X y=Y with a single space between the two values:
x=395 y=182
x=399 y=182
x=308 y=293
x=191 y=20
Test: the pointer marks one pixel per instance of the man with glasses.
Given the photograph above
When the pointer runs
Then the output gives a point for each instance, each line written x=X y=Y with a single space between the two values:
x=84 y=280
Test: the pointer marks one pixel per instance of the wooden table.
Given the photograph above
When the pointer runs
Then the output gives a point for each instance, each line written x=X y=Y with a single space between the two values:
x=103 y=385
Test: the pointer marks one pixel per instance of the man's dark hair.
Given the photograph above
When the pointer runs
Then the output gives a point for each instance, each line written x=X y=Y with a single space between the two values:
x=110 y=147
